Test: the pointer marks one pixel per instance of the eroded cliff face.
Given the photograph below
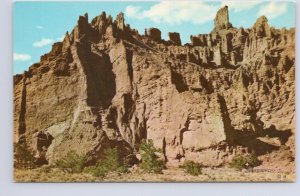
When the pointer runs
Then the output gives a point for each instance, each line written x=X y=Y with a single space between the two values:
x=106 y=85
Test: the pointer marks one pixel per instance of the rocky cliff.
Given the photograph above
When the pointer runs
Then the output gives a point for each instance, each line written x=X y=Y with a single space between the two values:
x=105 y=85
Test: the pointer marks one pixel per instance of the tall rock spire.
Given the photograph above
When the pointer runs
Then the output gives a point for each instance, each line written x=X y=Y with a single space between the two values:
x=222 y=19
x=261 y=27
x=120 y=21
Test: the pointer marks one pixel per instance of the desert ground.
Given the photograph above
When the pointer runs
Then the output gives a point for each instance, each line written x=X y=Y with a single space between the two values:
x=169 y=175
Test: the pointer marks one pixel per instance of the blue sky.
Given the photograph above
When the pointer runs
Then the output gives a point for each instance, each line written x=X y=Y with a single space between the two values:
x=37 y=25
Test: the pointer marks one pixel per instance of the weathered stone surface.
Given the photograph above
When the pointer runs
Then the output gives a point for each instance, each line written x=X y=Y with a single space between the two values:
x=153 y=33
x=222 y=19
x=120 y=21
x=261 y=28
x=175 y=38
x=107 y=86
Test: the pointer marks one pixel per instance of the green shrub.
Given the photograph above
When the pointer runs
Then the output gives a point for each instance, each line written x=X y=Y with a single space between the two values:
x=240 y=162
x=150 y=161
x=252 y=160
x=192 y=168
x=73 y=162
x=111 y=162
x=24 y=158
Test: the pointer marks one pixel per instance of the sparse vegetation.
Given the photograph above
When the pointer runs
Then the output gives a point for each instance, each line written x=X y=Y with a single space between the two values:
x=72 y=162
x=193 y=168
x=252 y=160
x=24 y=158
x=150 y=161
x=110 y=162
x=240 y=162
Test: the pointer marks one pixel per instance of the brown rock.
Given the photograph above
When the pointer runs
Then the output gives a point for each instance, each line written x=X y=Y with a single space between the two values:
x=154 y=34
x=120 y=21
x=261 y=27
x=175 y=38
x=222 y=19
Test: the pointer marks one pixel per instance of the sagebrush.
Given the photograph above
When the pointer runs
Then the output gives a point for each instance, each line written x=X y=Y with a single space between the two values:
x=72 y=162
x=192 y=168
x=240 y=162
x=111 y=162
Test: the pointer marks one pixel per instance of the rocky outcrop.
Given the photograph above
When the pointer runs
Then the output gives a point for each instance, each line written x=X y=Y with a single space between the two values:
x=222 y=19
x=105 y=85
x=153 y=33
x=261 y=28
x=175 y=38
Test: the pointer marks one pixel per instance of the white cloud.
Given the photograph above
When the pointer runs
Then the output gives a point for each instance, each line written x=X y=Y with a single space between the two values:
x=43 y=42
x=175 y=12
x=273 y=9
x=133 y=11
x=21 y=57
x=39 y=27
x=238 y=6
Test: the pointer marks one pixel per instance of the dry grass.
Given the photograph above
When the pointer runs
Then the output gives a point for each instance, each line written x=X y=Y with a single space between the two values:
x=169 y=175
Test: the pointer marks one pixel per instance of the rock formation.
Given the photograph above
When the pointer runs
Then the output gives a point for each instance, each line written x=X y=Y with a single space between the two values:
x=175 y=38
x=106 y=85
x=153 y=33
x=222 y=19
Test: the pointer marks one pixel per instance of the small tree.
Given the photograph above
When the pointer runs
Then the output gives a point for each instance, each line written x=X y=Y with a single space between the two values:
x=24 y=158
x=110 y=162
x=72 y=161
x=192 y=168
x=150 y=161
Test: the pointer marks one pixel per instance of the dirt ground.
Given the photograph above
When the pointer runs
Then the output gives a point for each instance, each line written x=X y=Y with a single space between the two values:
x=169 y=175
